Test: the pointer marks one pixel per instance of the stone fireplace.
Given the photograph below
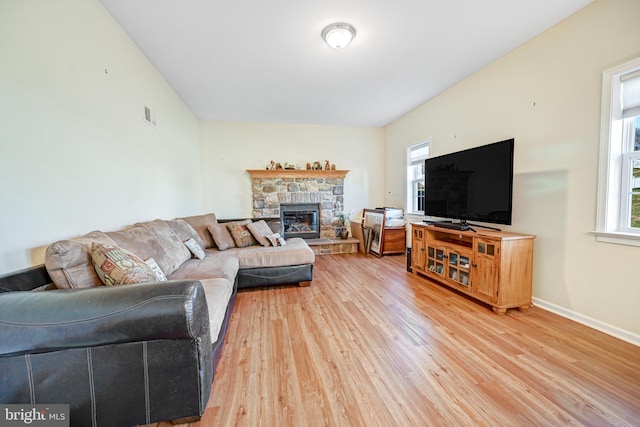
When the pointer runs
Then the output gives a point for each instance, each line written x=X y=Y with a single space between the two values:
x=319 y=188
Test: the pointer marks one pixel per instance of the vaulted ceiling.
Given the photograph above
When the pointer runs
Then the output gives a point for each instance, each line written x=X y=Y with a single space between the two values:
x=259 y=61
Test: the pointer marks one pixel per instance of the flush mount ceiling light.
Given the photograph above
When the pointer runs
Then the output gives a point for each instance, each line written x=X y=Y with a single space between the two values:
x=338 y=35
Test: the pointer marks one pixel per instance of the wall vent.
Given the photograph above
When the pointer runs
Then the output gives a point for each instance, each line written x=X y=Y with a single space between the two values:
x=149 y=116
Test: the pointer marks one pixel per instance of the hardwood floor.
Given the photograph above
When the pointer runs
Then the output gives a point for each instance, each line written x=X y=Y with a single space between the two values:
x=369 y=344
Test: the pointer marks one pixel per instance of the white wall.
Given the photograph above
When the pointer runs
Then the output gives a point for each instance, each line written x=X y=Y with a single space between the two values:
x=547 y=95
x=229 y=149
x=75 y=154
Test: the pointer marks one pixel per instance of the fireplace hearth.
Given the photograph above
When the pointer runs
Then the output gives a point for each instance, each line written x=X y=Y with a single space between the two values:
x=300 y=220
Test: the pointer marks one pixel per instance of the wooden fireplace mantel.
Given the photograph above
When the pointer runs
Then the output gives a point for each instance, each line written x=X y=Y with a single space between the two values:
x=296 y=173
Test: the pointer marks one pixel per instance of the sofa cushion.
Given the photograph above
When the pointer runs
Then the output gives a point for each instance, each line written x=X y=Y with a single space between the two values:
x=296 y=252
x=154 y=239
x=185 y=231
x=199 y=224
x=218 y=292
x=222 y=236
x=260 y=230
x=195 y=249
x=69 y=264
x=215 y=264
x=174 y=249
x=117 y=266
x=241 y=234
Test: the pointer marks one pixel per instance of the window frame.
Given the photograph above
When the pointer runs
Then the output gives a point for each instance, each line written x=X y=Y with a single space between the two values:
x=411 y=182
x=626 y=187
x=613 y=207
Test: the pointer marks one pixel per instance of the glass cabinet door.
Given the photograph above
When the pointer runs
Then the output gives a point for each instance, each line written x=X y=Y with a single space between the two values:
x=453 y=266
x=464 y=270
x=458 y=268
x=436 y=260
x=439 y=261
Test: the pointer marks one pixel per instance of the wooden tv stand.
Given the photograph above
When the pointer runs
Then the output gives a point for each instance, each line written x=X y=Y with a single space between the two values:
x=494 y=267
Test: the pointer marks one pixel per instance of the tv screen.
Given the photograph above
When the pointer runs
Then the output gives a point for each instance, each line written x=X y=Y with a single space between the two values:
x=471 y=185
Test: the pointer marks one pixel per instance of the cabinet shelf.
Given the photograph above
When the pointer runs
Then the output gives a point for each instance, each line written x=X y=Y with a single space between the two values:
x=491 y=266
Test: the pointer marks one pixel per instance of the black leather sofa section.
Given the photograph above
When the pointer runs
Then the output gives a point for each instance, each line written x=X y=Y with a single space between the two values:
x=78 y=318
x=120 y=356
x=272 y=276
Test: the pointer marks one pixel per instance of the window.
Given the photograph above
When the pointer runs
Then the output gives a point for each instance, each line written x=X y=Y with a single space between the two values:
x=415 y=177
x=619 y=180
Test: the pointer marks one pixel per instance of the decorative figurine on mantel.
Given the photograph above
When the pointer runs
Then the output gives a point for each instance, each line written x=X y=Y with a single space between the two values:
x=316 y=166
x=272 y=166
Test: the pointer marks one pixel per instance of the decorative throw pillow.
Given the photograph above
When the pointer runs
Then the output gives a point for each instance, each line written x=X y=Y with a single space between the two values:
x=221 y=236
x=241 y=234
x=274 y=239
x=260 y=230
x=160 y=277
x=117 y=266
x=195 y=248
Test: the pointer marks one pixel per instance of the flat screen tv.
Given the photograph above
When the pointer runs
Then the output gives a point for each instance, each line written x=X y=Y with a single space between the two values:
x=471 y=185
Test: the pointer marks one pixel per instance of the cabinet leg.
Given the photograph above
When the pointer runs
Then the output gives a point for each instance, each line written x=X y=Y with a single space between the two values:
x=499 y=310
x=524 y=308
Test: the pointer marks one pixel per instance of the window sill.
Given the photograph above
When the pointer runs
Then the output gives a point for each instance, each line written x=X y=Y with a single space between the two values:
x=617 y=237
x=413 y=217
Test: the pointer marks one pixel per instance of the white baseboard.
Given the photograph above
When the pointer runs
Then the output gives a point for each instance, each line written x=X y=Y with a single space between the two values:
x=614 y=331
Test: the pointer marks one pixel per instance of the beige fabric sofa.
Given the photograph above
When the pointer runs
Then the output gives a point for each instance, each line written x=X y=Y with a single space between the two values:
x=69 y=264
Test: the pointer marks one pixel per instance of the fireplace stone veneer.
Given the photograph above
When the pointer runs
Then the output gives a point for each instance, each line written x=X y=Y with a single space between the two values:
x=270 y=188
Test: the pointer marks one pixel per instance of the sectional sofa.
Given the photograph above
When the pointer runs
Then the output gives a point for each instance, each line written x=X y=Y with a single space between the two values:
x=144 y=352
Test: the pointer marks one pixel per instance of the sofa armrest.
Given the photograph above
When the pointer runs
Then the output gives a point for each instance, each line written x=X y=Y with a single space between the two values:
x=37 y=322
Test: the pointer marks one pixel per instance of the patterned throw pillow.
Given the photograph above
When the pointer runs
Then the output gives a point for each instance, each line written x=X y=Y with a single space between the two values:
x=241 y=234
x=195 y=248
x=221 y=236
x=274 y=239
x=160 y=277
x=260 y=230
x=117 y=266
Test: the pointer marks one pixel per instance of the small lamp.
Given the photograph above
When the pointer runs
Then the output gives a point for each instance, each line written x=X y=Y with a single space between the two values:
x=338 y=35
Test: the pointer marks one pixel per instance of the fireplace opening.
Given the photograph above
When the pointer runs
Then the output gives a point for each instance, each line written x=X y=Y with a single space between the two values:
x=300 y=220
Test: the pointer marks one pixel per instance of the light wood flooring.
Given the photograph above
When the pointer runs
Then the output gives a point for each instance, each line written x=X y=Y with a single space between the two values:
x=369 y=344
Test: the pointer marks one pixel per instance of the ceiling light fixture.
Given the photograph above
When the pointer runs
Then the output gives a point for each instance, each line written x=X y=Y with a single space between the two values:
x=338 y=35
